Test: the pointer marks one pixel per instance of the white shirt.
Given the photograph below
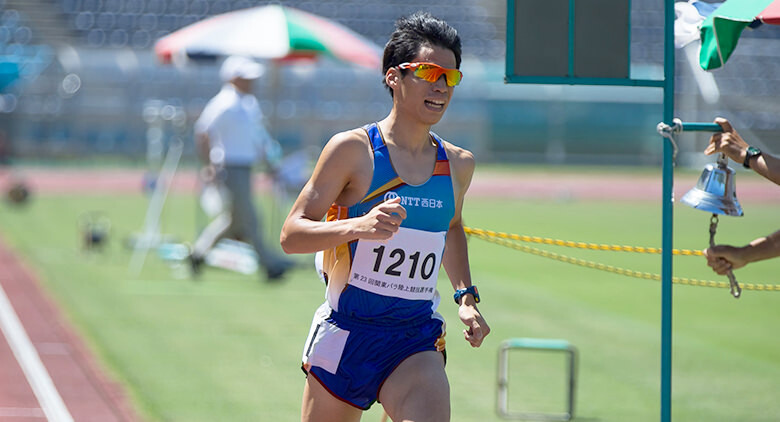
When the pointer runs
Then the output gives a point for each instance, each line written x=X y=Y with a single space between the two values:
x=233 y=123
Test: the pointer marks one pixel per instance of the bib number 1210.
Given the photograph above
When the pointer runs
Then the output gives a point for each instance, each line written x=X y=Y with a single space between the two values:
x=398 y=256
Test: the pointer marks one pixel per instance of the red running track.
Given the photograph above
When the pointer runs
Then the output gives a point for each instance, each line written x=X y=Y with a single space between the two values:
x=56 y=378
x=527 y=185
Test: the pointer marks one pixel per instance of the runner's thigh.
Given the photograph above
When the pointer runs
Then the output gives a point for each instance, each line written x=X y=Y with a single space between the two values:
x=321 y=406
x=418 y=389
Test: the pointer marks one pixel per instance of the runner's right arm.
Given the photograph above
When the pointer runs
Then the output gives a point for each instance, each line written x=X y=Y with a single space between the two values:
x=341 y=176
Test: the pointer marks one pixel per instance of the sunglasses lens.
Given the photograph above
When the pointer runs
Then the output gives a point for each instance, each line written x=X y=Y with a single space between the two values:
x=433 y=73
x=427 y=72
x=453 y=77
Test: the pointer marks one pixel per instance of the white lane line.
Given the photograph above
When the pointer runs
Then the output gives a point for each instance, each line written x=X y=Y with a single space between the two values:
x=31 y=364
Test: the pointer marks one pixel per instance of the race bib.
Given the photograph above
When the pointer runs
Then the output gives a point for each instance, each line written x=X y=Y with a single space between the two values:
x=405 y=266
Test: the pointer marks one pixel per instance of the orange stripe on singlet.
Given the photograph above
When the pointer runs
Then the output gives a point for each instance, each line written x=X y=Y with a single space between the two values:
x=336 y=212
x=392 y=184
x=441 y=168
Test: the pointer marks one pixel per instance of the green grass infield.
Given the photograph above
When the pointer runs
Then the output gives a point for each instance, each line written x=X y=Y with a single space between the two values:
x=228 y=346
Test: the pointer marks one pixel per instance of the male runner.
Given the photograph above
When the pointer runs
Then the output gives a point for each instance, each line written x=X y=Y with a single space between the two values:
x=392 y=193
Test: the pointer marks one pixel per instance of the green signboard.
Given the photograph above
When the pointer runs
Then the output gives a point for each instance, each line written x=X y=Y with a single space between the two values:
x=576 y=42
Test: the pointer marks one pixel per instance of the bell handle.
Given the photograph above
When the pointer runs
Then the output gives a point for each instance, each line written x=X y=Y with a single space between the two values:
x=736 y=291
x=723 y=161
x=700 y=127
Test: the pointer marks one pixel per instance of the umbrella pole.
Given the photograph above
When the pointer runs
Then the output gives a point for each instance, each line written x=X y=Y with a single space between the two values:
x=273 y=120
x=275 y=74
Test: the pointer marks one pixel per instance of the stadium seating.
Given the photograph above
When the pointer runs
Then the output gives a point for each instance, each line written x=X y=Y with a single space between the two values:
x=137 y=23
x=94 y=74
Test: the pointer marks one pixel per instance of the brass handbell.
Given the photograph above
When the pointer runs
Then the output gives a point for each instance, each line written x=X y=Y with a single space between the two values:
x=715 y=193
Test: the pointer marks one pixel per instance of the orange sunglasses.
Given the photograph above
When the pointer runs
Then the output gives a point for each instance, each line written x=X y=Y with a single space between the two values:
x=431 y=72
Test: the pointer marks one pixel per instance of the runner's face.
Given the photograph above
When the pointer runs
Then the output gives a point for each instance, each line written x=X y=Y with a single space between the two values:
x=418 y=98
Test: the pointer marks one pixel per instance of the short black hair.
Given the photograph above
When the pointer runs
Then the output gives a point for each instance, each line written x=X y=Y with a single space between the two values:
x=414 y=31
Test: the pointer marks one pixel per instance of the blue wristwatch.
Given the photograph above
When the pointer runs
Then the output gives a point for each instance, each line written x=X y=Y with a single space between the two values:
x=468 y=290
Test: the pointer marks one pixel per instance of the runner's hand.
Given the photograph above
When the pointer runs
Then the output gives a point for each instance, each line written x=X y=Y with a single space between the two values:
x=383 y=221
x=477 y=329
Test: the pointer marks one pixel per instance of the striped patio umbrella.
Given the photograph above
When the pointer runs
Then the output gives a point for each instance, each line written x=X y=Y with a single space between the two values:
x=269 y=32
x=721 y=30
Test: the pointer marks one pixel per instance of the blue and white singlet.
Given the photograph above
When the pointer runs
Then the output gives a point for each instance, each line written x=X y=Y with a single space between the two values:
x=393 y=281
x=381 y=295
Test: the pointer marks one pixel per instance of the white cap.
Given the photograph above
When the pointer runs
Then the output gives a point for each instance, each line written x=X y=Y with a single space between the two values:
x=240 y=67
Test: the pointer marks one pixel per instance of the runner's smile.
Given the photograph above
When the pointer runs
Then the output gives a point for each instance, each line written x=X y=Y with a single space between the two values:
x=435 y=104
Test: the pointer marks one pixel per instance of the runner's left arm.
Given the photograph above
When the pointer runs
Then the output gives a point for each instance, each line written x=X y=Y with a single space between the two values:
x=455 y=258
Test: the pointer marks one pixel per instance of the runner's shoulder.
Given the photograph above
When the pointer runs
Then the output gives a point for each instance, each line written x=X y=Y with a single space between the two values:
x=461 y=159
x=349 y=141
x=348 y=150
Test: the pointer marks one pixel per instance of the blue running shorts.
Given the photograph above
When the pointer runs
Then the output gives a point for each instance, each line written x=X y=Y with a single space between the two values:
x=352 y=360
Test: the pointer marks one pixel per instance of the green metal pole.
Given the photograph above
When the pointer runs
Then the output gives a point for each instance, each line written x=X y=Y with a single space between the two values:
x=667 y=219
x=701 y=127
x=570 y=71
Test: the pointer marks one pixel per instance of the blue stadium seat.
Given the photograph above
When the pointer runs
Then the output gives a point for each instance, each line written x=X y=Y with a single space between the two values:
x=166 y=22
x=84 y=21
x=10 y=18
x=22 y=35
x=119 y=38
x=219 y=6
x=5 y=35
x=199 y=8
x=156 y=6
x=177 y=7
x=188 y=20
x=113 y=6
x=147 y=22
x=242 y=4
x=141 y=39
x=105 y=21
x=126 y=21
x=91 y=5
x=134 y=6
x=96 y=38
x=69 y=6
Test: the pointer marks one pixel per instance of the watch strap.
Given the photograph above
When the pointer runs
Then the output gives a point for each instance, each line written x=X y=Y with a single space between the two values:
x=749 y=154
x=468 y=290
